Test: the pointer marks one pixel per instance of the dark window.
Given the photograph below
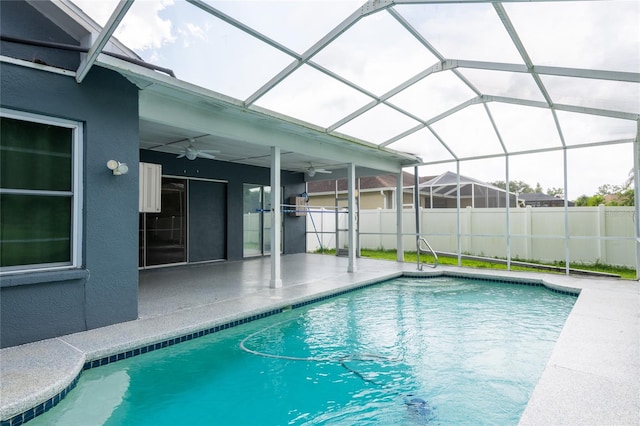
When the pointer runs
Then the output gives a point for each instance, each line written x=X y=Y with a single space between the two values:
x=37 y=204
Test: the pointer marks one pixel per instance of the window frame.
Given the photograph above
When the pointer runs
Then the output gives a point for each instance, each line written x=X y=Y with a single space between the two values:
x=75 y=237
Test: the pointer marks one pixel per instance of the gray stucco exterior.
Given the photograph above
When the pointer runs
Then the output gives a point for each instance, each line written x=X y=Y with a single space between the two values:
x=104 y=290
x=106 y=293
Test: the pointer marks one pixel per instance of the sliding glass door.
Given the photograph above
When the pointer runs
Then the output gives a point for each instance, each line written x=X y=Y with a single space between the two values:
x=164 y=234
x=191 y=227
x=257 y=220
x=252 y=220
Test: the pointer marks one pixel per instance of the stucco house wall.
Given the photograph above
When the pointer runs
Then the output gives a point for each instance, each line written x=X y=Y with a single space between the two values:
x=104 y=290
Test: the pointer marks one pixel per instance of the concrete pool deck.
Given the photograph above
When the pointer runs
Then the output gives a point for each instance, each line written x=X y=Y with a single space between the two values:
x=591 y=378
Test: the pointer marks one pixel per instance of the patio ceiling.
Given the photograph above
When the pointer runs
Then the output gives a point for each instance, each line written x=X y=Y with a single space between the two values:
x=443 y=80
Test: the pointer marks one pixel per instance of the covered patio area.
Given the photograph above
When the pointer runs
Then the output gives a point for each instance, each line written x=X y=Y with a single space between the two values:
x=242 y=287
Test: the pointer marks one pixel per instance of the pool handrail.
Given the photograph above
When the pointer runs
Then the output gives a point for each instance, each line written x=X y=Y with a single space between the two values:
x=420 y=240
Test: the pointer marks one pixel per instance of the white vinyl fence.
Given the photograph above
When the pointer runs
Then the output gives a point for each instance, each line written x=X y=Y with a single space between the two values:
x=596 y=234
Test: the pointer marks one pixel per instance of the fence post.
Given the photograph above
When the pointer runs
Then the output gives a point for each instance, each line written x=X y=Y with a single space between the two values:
x=527 y=232
x=468 y=231
x=602 y=232
x=380 y=236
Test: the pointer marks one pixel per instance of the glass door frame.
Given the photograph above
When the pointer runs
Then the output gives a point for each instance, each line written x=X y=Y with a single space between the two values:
x=259 y=211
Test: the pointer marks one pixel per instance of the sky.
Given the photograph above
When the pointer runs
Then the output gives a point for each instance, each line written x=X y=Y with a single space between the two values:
x=378 y=54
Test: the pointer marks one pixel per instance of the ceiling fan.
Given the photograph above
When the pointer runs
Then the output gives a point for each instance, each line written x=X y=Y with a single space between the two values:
x=311 y=171
x=191 y=152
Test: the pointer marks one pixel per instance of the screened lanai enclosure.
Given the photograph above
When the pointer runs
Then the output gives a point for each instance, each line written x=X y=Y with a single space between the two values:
x=444 y=191
x=546 y=92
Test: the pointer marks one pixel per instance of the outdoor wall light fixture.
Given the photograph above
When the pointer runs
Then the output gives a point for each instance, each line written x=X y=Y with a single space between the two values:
x=117 y=167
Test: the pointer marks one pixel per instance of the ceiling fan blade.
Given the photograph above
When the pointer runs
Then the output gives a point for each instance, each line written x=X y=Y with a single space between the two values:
x=323 y=171
x=181 y=155
x=210 y=151
x=205 y=155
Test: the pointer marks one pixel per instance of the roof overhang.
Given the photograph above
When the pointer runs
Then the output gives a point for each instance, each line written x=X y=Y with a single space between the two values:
x=172 y=111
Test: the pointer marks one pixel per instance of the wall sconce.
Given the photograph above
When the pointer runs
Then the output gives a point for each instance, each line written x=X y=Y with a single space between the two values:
x=117 y=167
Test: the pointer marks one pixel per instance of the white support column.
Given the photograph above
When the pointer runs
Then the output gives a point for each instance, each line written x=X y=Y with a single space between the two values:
x=351 y=181
x=416 y=207
x=276 y=222
x=399 y=236
x=458 y=226
x=507 y=212
x=636 y=189
x=527 y=232
x=473 y=195
x=567 y=254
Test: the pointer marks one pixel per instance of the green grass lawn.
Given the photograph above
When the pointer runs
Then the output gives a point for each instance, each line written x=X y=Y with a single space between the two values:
x=410 y=257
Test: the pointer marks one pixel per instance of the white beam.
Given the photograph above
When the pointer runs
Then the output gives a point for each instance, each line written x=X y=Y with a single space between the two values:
x=473 y=1
x=242 y=27
x=95 y=50
x=631 y=77
x=305 y=57
x=515 y=38
x=531 y=151
x=276 y=216
x=351 y=196
x=563 y=107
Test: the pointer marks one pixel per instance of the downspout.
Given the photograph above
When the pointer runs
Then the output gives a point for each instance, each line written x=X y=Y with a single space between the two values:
x=80 y=49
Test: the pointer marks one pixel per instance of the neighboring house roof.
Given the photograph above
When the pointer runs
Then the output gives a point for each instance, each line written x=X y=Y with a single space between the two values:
x=366 y=183
x=446 y=185
x=450 y=178
x=537 y=196
x=541 y=198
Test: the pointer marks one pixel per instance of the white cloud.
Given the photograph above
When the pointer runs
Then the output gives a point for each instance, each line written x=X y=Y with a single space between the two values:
x=142 y=27
x=195 y=31
x=189 y=31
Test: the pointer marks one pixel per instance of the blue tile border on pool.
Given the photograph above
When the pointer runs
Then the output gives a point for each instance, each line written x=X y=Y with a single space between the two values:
x=531 y=283
x=174 y=341
x=27 y=415
x=41 y=408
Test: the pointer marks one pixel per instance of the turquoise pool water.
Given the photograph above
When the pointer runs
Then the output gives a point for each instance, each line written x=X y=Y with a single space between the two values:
x=409 y=351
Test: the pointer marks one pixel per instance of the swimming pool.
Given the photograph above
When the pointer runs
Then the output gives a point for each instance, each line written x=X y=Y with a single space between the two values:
x=447 y=350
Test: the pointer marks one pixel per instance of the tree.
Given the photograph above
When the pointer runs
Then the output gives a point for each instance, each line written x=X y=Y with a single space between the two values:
x=538 y=189
x=585 y=200
x=514 y=186
x=611 y=195
x=555 y=192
